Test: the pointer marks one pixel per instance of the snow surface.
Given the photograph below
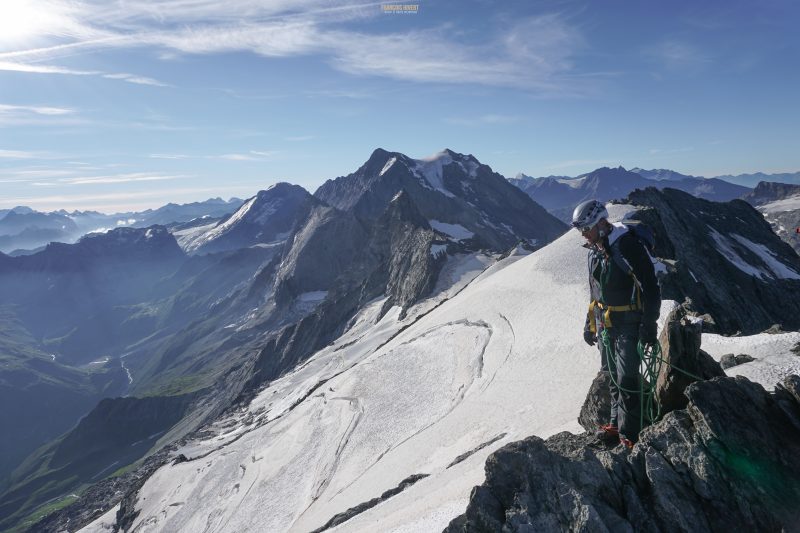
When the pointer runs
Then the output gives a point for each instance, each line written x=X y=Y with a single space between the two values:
x=774 y=359
x=779 y=269
x=726 y=247
x=774 y=268
x=787 y=204
x=498 y=355
x=430 y=169
x=456 y=231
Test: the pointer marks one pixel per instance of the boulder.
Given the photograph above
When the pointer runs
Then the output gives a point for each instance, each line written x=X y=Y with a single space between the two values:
x=731 y=360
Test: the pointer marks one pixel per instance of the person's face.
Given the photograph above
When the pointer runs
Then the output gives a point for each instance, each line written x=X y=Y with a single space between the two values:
x=592 y=235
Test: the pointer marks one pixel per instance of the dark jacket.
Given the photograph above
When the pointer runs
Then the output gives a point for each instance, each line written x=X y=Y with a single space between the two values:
x=609 y=279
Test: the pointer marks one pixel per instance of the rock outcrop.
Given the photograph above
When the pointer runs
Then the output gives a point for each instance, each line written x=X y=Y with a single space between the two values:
x=730 y=461
x=727 y=261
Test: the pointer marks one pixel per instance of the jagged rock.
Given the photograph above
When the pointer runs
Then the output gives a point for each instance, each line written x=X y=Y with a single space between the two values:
x=774 y=329
x=596 y=409
x=179 y=459
x=729 y=462
x=358 y=509
x=684 y=361
x=731 y=360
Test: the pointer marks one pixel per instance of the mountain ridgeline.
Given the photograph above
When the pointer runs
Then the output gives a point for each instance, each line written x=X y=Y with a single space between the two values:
x=560 y=195
x=208 y=311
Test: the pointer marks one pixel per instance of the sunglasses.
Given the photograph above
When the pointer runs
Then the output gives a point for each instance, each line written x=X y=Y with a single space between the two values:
x=583 y=229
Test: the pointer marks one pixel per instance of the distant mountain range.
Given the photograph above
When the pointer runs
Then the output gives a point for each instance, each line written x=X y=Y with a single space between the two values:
x=22 y=228
x=560 y=195
x=751 y=180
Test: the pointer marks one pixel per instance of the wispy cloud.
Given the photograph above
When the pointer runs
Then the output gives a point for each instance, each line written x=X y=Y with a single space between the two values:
x=168 y=156
x=533 y=53
x=252 y=155
x=489 y=119
x=659 y=151
x=131 y=78
x=38 y=110
x=17 y=154
x=43 y=69
x=584 y=162
x=120 y=178
x=678 y=55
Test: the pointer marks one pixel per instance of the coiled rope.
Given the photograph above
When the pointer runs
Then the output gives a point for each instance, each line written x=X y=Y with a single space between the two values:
x=650 y=364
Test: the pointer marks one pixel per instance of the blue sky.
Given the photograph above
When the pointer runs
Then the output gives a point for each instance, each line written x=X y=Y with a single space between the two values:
x=132 y=104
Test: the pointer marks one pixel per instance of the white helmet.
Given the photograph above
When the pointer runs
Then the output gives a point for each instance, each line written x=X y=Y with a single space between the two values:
x=587 y=214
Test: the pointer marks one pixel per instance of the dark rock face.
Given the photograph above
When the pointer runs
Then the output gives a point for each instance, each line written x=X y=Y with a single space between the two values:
x=321 y=250
x=728 y=261
x=451 y=188
x=402 y=239
x=729 y=462
x=769 y=191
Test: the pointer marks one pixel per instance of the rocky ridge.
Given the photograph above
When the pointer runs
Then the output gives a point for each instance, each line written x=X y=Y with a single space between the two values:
x=694 y=470
x=750 y=278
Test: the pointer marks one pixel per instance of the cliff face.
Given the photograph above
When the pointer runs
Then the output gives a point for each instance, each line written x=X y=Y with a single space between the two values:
x=727 y=260
x=729 y=462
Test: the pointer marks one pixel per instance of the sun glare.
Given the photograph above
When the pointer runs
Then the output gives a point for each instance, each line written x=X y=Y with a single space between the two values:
x=24 y=20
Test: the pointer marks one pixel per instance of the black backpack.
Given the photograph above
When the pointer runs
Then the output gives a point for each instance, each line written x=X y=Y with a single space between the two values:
x=646 y=237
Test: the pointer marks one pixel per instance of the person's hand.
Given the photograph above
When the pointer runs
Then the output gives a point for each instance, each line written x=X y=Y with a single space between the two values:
x=589 y=337
x=648 y=332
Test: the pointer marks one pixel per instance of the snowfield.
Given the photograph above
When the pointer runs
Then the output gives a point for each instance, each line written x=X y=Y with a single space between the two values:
x=495 y=358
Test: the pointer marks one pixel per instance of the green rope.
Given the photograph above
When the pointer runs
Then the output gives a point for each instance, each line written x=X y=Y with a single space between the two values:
x=650 y=363
x=649 y=368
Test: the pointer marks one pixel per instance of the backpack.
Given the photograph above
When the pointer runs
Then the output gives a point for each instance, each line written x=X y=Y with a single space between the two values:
x=644 y=233
x=646 y=237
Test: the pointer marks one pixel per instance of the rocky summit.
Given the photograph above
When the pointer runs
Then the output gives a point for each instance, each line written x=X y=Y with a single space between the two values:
x=730 y=461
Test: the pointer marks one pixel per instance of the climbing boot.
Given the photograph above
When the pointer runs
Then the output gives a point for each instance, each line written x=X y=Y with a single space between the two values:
x=607 y=434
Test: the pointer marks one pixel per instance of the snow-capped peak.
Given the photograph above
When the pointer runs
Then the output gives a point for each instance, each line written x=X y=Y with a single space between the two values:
x=430 y=169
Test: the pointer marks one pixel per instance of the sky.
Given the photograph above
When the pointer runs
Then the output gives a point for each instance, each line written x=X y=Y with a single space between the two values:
x=128 y=104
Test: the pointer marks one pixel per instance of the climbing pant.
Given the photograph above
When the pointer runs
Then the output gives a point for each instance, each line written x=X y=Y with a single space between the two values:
x=613 y=419
x=625 y=403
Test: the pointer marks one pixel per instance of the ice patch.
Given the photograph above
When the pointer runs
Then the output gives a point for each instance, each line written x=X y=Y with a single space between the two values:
x=387 y=166
x=768 y=257
x=456 y=231
x=726 y=247
x=437 y=249
x=314 y=296
x=787 y=204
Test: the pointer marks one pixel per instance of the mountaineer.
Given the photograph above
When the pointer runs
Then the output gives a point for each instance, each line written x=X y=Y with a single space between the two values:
x=625 y=304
